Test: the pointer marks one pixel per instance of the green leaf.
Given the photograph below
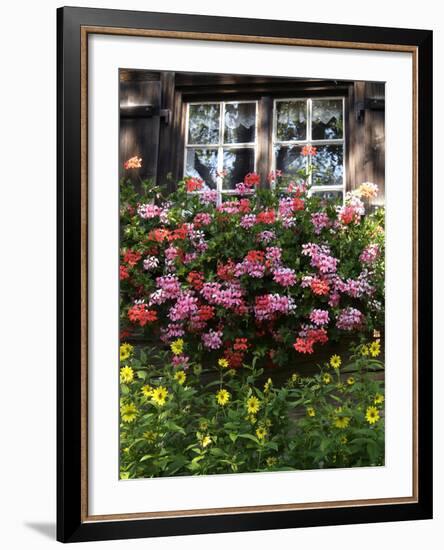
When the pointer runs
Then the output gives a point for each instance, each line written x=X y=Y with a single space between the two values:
x=145 y=457
x=251 y=437
x=173 y=427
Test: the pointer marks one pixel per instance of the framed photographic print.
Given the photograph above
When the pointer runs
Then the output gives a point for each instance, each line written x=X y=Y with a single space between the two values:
x=244 y=289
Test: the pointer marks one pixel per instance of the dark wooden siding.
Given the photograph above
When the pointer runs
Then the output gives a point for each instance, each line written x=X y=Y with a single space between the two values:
x=366 y=136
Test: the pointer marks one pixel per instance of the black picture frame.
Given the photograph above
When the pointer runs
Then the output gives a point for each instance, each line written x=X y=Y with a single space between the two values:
x=71 y=523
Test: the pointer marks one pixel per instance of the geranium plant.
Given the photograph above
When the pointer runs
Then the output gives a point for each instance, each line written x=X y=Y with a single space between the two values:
x=256 y=281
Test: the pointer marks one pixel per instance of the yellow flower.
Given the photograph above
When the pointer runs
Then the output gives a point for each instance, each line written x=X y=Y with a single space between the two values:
x=223 y=363
x=344 y=439
x=180 y=376
x=231 y=372
x=253 y=405
x=379 y=399
x=159 y=395
x=364 y=350
x=203 y=425
x=311 y=412
x=341 y=422
x=150 y=436
x=267 y=386
x=177 y=346
x=222 y=397
x=372 y=415
x=375 y=348
x=326 y=378
x=350 y=380
x=128 y=412
x=126 y=375
x=335 y=361
x=197 y=369
x=251 y=418
x=271 y=461
x=261 y=433
x=205 y=441
x=147 y=390
x=126 y=350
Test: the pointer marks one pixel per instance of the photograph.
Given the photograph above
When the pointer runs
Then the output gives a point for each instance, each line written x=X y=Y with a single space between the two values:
x=251 y=274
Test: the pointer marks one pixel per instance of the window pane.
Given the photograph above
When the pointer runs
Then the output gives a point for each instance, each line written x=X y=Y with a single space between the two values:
x=289 y=159
x=203 y=124
x=291 y=120
x=240 y=122
x=202 y=163
x=237 y=163
x=328 y=165
x=331 y=196
x=327 y=119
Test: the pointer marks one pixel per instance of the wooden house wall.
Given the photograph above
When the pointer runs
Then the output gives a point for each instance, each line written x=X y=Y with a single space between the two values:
x=159 y=137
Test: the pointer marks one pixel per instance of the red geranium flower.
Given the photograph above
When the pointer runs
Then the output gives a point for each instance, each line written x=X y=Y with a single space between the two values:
x=235 y=358
x=267 y=216
x=193 y=184
x=309 y=150
x=320 y=287
x=158 y=235
x=179 y=234
x=123 y=273
x=131 y=258
x=317 y=335
x=348 y=215
x=205 y=313
x=140 y=314
x=195 y=279
x=244 y=206
x=240 y=344
x=304 y=345
x=252 y=179
x=298 y=204
x=256 y=256
x=226 y=271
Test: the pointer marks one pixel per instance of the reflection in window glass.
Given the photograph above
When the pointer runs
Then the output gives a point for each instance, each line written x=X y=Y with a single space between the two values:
x=202 y=163
x=312 y=122
x=328 y=165
x=289 y=159
x=327 y=119
x=203 y=124
x=240 y=123
x=237 y=163
x=330 y=196
x=221 y=137
x=291 y=120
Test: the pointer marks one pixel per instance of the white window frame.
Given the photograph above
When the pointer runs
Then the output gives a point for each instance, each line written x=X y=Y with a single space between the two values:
x=313 y=142
x=220 y=146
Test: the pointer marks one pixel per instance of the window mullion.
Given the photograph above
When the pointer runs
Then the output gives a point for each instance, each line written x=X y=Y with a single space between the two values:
x=220 y=153
x=309 y=137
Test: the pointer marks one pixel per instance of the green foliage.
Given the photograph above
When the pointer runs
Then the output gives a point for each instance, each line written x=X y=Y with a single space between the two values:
x=310 y=422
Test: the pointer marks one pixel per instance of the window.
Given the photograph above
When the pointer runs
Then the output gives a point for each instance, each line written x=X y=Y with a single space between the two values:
x=222 y=142
x=221 y=138
x=314 y=121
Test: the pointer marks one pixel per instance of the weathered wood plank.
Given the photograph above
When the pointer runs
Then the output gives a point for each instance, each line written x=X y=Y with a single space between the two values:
x=140 y=136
